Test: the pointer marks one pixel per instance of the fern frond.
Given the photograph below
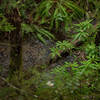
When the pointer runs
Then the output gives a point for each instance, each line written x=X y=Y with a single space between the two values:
x=76 y=10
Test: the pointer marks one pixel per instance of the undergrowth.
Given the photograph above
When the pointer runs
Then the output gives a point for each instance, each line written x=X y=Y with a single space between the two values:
x=77 y=80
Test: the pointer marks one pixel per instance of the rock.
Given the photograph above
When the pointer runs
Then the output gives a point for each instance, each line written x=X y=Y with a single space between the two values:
x=4 y=60
x=36 y=54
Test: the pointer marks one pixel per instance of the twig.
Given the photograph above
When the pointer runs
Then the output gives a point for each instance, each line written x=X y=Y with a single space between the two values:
x=9 y=84
x=8 y=44
x=14 y=87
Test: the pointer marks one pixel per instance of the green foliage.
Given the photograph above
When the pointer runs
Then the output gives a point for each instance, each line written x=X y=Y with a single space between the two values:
x=70 y=81
x=43 y=33
x=97 y=8
x=56 y=12
x=4 y=25
x=83 y=30
x=61 y=47
x=26 y=28
x=77 y=79
x=91 y=49
x=35 y=30
x=6 y=91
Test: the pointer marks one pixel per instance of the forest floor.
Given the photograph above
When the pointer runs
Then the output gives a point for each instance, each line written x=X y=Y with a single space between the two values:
x=34 y=54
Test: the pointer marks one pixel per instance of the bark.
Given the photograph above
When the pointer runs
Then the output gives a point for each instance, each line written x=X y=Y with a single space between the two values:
x=16 y=43
x=97 y=39
x=0 y=2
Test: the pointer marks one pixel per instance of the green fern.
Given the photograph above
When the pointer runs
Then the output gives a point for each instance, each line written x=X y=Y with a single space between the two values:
x=61 y=47
x=41 y=33
x=4 y=25
x=83 y=30
x=55 y=12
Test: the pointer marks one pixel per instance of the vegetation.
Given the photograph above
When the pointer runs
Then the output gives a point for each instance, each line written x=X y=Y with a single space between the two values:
x=72 y=27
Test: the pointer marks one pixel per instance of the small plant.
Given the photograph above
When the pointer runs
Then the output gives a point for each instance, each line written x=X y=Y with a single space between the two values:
x=77 y=79
x=4 y=25
x=71 y=80
x=36 y=31
x=91 y=49
x=61 y=47
x=83 y=30
x=56 y=12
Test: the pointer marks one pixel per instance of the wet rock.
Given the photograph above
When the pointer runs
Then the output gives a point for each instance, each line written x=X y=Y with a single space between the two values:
x=4 y=60
x=36 y=54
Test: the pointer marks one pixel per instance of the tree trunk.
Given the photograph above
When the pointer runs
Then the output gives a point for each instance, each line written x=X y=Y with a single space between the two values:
x=97 y=39
x=15 y=66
